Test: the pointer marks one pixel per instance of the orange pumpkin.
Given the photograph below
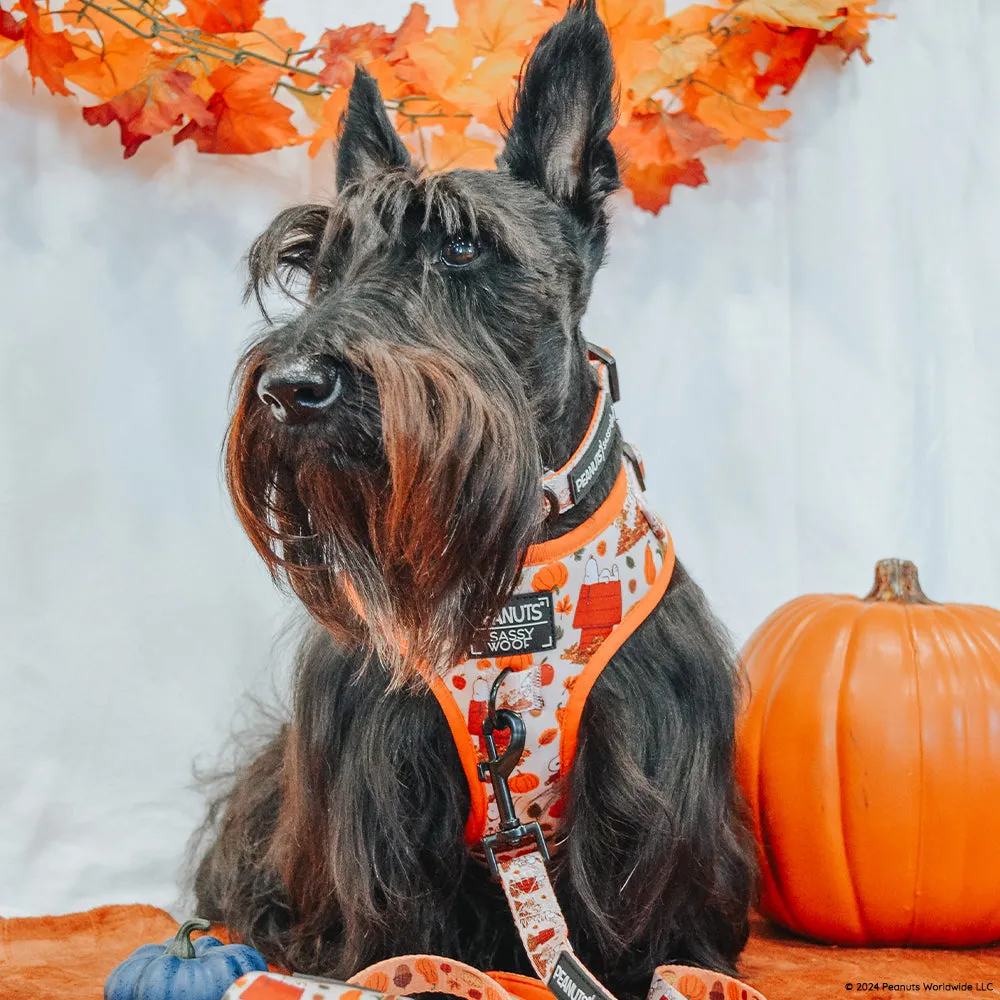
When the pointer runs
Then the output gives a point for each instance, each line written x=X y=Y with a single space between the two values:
x=869 y=755
x=552 y=576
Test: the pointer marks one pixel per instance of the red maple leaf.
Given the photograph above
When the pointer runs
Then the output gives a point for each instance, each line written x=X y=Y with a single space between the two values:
x=789 y=51
x=851 y=35
x=156 y=105
x=10 y=27
x=243 y=116
x=652 y=185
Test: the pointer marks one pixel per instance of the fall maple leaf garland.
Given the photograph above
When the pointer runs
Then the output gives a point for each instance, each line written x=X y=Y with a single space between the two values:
x=220 y=73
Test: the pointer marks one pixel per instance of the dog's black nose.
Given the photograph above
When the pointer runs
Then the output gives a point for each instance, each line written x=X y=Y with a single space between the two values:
x=300 y=389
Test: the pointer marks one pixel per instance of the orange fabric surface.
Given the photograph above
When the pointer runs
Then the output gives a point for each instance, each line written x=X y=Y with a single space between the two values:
x=69 y=957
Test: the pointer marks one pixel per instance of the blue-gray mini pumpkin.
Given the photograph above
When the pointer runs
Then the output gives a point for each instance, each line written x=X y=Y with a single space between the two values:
x=180 y=970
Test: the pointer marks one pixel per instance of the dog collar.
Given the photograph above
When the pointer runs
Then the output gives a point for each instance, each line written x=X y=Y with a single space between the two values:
x=565 y=487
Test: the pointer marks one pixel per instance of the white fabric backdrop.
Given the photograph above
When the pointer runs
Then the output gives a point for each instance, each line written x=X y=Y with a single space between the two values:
x=810 y=350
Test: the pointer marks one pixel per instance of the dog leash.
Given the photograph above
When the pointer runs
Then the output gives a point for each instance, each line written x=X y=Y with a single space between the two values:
x=532 y=898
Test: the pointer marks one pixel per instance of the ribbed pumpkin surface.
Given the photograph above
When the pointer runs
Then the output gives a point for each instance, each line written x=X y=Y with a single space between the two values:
x=870 y=758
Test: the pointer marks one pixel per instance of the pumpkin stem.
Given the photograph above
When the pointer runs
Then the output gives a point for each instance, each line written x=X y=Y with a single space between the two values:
x=181 y=946
x=896 y=580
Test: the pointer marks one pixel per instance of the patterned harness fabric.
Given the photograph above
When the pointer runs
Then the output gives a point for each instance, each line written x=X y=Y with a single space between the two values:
x=578 y=599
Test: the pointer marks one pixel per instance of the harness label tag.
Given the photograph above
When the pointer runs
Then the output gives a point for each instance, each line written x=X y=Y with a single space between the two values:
x=582 y=476
x=571 y=981
x=525 y=625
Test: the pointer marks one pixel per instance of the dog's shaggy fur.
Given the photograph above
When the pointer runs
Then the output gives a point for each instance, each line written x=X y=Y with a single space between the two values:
x=400 y=510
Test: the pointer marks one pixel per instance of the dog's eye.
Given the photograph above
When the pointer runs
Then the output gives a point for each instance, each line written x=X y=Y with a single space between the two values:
x=459 y=251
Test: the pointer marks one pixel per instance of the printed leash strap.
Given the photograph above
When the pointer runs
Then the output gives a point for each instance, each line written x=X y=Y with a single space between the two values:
x=395 y=977
x=543 y=931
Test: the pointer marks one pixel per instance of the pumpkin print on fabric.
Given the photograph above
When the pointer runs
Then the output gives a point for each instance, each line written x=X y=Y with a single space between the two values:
x=551 y=577
x=692 y=987
x=869 y=756
x=671 y=982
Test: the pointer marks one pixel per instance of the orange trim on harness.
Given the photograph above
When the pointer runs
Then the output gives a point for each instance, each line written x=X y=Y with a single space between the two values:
x=468 y=757
x=581 y=688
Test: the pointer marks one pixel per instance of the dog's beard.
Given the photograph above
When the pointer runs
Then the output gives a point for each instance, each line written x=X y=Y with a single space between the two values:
x=408 y=554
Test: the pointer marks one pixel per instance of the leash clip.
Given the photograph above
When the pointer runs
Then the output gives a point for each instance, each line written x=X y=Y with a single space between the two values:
x=497 y=768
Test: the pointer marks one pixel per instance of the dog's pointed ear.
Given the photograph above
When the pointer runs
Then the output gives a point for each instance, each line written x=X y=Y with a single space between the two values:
x=368 y=143
x=564 y=111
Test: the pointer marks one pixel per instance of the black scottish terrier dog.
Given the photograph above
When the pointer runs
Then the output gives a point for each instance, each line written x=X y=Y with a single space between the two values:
x=386 y=456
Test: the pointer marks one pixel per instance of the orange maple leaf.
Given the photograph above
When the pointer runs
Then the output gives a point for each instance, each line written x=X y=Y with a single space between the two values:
x=499 y=25
x=452 y=151
x=436 y=62
x=219 y=16
x=731 y=106
x=787 y=50
x=270 y=36
x=244 y=117
x=823 y=15
x=687 y=135
x=49 y=51
x=84 y=14
x=155 y=105
x=413 y=28
x=342 y=48
x=662 y=138
x=329 y=123
x=633 y=28
x=472 y=67
x=488 y=91
x=789 y=53
x=116 y=67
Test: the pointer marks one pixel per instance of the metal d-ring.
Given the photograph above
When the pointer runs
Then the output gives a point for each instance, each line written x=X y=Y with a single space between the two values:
x=491 y=705
x=553 y=501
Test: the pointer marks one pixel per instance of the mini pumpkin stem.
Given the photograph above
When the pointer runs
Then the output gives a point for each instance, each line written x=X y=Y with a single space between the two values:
x=897 y=580
x=181 y=946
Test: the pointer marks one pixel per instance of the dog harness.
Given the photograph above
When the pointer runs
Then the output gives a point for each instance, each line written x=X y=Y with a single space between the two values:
x=578 y=598
x=514 y=708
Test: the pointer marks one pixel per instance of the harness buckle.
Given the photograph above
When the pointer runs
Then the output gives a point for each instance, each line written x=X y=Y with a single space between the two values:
x=497 y=768
x=607 y=359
